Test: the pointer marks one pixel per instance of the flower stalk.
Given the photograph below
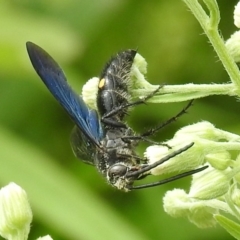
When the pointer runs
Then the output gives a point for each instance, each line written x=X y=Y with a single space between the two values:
x=214 y=191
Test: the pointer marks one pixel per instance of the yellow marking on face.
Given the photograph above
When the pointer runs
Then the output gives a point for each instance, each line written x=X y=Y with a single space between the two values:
x=101 y=83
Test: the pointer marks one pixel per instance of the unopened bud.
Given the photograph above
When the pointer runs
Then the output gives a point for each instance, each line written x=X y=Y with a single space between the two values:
x=15 y=212
x=89 y=92
x=47 y=237
x=236 y=15
x=220 y=161
x=232 y=45
x=177 y=203
x=210 y=184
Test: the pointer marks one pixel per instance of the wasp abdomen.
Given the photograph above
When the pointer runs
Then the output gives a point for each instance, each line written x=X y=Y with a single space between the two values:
x=113 y=86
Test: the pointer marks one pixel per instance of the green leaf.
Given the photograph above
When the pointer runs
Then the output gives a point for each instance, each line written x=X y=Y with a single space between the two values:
x=58 y=199
x=230 y=226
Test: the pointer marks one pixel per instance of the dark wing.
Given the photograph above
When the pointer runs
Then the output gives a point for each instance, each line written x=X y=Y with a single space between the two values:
x=82 y=147
x=53 y=77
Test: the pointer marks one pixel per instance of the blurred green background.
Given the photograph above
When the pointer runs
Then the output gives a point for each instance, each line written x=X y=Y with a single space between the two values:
x=70 y=200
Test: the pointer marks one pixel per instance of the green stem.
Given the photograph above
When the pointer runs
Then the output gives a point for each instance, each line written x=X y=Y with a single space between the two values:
x=210 y=27
x=178 y=93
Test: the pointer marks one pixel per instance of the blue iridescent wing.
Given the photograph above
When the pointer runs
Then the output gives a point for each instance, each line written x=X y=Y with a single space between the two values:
x=86 y=120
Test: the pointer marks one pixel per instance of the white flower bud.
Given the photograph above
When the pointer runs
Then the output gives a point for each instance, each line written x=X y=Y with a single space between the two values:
x=47 y=237
x=210 y=183
x=236 y=15
x=140 y=63
x=15 y=212
x=89 y=92
x=220 y=161
x=202 y=215
x=177 y=203
x=138 y=70
x=236 y=196
x=232 y=45
x=236 y=164
x=187 y=160
x=203 y=130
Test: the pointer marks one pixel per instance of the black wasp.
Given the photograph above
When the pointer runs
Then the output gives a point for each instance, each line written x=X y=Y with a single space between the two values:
x=100 y=138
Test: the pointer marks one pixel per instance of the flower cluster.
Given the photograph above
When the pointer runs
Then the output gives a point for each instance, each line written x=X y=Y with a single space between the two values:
x=214 y=191
x=206 y=197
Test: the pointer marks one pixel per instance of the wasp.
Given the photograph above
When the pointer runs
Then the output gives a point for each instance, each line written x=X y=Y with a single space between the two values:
x=100 y=137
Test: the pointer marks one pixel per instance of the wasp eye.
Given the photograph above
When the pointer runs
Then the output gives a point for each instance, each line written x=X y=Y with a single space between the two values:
x=117 y=170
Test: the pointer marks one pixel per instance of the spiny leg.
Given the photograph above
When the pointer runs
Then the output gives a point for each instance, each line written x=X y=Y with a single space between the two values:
x=152 y=131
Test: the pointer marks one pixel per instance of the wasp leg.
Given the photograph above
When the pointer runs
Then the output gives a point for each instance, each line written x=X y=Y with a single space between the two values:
x=152 y=131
